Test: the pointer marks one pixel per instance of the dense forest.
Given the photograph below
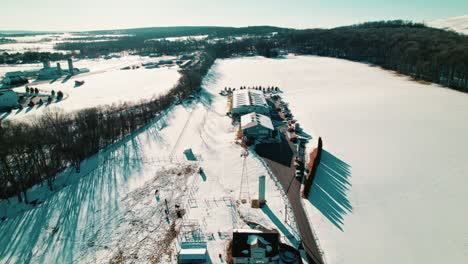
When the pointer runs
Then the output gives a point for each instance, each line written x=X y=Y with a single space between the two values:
x=33 y=153
x=164 y=32
x=32 y=57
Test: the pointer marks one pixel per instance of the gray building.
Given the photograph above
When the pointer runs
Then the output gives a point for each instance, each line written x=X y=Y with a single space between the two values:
x=256 y=126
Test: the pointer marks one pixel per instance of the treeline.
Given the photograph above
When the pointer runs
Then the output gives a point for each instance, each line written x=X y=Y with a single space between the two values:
x=6 y=40
x=33 y=153
x=32 y=57
x=429 y=54
x=425 y=53
x=141 y=40
x=165 y=32
x=139 y=45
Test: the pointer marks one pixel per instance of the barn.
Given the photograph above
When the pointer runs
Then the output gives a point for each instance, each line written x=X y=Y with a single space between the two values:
x=247 y=101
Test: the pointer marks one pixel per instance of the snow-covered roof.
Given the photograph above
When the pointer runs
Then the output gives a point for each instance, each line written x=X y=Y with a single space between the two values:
x=192 y=251
x=254 y=119
x=246 y=231
x=243 y=243
x=248 y=97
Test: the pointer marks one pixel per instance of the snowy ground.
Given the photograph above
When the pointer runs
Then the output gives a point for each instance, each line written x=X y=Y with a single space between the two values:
x=391 y=181
x=459 y=24
x=46 y=42
x=393 y=177
x=105 y=84
x=109 y=210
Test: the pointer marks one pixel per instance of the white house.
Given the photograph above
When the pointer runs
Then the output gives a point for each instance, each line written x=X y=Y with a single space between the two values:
x=253 y=246
x=8 y=99
x=249 y=100
x=256 y=126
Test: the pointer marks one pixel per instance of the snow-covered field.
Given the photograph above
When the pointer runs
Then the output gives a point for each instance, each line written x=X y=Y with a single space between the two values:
x=105 y=84
x=459 y=24
x=392 y=182
x=109 y=210
x=46 y=42
x=390 y=187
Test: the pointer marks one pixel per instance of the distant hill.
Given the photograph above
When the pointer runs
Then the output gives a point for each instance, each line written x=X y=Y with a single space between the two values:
x=458 y=24
x=24 y=33
x=162 y=32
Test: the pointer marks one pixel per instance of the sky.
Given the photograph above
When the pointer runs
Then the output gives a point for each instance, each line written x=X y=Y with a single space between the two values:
x=76 y=15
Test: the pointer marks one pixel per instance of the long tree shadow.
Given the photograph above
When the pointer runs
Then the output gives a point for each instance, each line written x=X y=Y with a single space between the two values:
x=329 y=190
x=64 y=226
x=4 y=115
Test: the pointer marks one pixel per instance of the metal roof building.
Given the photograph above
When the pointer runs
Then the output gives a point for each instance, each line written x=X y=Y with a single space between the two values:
x=248 y=100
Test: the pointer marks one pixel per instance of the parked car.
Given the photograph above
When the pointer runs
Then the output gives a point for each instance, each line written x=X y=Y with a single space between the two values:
x=299 y=174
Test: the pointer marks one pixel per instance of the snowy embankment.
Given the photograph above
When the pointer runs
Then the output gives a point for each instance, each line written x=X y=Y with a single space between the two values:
x=393 y=176
x=109 y=210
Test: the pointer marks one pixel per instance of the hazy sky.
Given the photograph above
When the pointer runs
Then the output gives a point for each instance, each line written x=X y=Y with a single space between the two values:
x=109 y=14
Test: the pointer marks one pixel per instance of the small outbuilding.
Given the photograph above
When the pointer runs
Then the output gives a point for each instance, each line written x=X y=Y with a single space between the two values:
x=254 y=246
x=256 y=126
x=8 y=99
x=193 y=253
x=15 y=80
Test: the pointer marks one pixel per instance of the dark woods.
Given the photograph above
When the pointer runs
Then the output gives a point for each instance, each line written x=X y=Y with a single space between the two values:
x=32 y=153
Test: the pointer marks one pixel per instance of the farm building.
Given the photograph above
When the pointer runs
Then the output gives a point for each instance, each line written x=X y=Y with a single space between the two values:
x=254 y=246
x=47 y=73
x=256 y=126
x=8 y=99
x=14 y=80
x=247 y=101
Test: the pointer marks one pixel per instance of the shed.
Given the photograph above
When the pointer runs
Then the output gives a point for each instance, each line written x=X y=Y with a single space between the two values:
x=193 y=253
x=8 y=99
x=254 y=246
x=15 y=80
